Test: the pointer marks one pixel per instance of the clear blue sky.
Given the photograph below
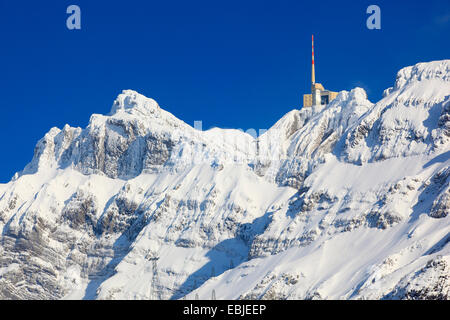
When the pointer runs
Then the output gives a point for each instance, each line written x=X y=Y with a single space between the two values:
x=239 y=64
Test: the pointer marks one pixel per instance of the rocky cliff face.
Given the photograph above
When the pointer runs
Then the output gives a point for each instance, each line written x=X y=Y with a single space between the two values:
x=348 y=200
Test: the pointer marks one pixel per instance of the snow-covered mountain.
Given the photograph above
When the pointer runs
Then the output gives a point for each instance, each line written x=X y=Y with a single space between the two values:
x=344 y=201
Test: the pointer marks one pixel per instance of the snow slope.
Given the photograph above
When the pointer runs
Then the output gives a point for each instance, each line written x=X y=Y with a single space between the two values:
x=344 y=201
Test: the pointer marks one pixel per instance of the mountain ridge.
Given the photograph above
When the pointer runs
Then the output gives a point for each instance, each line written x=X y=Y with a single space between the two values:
x=140 y=205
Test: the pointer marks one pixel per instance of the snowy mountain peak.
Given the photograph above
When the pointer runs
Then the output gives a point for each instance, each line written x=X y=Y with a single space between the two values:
x=130 y=101
x=345 y=201
x=438 y=70
x=356 y=95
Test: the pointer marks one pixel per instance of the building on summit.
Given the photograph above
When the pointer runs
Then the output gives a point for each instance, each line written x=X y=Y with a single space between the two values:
x=318 y=96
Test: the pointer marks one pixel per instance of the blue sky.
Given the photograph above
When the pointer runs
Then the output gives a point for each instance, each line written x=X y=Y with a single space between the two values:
x=232 y=64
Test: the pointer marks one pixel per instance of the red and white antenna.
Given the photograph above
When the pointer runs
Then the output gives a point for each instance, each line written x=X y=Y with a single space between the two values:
x=313 y=76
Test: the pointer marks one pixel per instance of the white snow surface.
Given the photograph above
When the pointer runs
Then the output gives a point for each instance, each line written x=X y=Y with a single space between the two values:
x=344 y=201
